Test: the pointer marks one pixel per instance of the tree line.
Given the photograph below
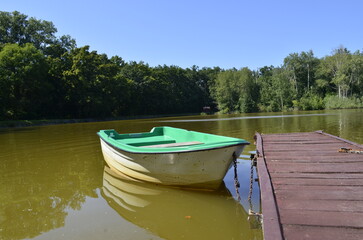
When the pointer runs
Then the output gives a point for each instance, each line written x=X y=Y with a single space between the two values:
x=45 y=76
x=302 y=82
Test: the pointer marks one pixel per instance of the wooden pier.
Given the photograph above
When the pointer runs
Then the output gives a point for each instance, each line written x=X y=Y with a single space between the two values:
x=309 y=190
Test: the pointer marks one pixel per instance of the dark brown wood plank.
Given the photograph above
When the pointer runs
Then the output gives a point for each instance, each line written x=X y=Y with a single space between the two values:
x=328 y=188
x=311 y=154
x=318 y=175
x=334 y=147
x=317 y=182
x=343 y=158
x=321 y=218
x=327 y=160
x=316 y=154
x=319 y=194
x=297 y=138
x=303 y=142
x=341 y=139
x=298 y=232
x=321 y=205
x=315 y=167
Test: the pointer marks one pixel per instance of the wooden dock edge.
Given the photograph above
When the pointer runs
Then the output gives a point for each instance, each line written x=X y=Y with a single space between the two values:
x=271 y=224
x=339 y=138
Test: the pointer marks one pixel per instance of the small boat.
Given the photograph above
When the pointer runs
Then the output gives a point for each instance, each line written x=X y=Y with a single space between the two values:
x=171 y=156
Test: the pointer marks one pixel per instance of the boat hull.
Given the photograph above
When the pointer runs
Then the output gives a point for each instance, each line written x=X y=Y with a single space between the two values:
x=203 y=168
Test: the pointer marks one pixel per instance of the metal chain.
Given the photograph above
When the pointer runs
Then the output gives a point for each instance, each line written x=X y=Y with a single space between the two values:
x=236 y=182
x=251 y=183
x=250 y=211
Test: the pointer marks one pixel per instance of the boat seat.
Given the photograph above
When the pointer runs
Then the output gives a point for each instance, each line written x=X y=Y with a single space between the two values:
x=180 y=144
x=140 y=142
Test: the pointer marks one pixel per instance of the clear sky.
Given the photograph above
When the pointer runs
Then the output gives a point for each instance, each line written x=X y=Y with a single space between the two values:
x=206 y=33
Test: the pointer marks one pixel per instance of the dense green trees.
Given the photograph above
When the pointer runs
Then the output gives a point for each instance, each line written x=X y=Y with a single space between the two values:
x=236 y=91
x=45 y=76
x=17 y=28
x=343 y=72
x=303 y=82
x=24 y=83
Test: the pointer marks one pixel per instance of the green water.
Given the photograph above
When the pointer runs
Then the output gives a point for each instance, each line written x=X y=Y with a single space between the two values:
x=54 y=184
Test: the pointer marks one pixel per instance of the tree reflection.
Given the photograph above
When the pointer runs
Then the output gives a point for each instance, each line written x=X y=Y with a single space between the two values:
x=174 y=213
x=41 y=181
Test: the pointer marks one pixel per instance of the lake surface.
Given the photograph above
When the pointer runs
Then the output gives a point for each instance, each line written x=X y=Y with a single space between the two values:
x=54 y=183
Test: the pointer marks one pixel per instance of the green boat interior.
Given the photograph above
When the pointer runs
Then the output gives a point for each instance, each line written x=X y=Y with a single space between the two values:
x=167 y=138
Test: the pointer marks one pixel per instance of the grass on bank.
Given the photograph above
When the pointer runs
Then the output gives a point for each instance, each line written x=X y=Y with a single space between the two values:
x=314 y=102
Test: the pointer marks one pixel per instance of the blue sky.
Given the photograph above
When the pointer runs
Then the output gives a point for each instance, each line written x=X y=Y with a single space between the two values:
x=228 y=33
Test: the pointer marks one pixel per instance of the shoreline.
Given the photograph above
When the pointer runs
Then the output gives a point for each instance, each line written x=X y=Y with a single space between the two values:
x=43 y=122
x=10 y=124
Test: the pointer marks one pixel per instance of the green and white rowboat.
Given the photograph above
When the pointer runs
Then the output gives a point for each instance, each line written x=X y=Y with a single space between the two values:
x=171 y=156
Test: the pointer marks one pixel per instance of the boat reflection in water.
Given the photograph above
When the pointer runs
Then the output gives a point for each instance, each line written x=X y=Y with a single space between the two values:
x=174 y=213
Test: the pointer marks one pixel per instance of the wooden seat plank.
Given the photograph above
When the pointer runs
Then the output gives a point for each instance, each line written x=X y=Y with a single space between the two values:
x=181 y=144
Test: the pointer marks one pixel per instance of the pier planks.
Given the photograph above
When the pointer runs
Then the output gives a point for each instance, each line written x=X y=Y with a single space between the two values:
x=308 y=189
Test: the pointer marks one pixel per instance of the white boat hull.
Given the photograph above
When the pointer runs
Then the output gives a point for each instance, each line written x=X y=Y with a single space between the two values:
x=205 y=168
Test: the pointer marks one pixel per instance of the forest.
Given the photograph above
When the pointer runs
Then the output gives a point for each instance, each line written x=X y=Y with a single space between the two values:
x=44 y=76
